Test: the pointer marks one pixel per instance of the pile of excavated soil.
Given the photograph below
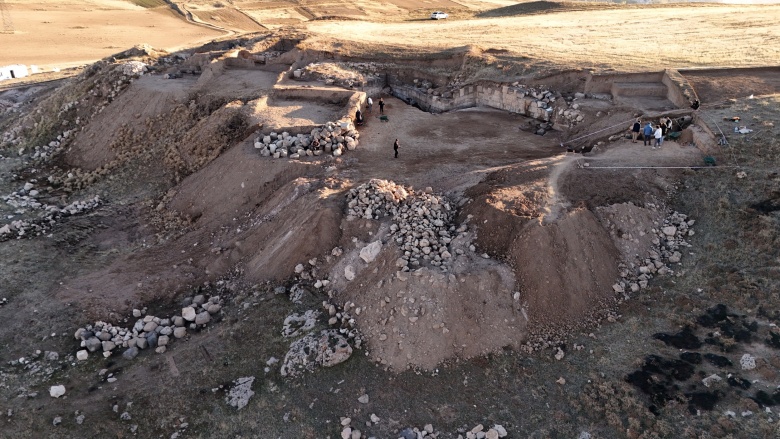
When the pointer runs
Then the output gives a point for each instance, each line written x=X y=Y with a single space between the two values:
x=564 y=260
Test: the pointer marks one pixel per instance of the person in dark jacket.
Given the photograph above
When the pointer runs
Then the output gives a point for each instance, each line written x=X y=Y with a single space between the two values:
x=381 y=106
x=635 y=130
x=396 y=144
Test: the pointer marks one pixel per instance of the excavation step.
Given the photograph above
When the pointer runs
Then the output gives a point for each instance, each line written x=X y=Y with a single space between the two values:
x=639 y=89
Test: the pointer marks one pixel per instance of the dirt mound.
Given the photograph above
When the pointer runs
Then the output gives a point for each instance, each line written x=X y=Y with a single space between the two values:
x=564 y=269
x=564 y=261
x=426 y=317
x=422 y=317
x=232 y=213
x=99 y=143
x=204 y=141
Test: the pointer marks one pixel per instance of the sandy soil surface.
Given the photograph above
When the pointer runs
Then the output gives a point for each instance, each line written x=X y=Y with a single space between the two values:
x=59 y=35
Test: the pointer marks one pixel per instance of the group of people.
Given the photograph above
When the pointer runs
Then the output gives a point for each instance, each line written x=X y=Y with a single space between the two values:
x=369 y=105
x=651 y=132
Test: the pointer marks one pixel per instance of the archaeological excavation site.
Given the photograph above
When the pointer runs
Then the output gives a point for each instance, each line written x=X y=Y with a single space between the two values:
x=223 y=242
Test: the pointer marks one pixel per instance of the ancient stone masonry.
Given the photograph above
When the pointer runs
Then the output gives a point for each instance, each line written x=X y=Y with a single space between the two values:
x=332 y=138
x=149 y=331
x=537 y=103
x=422 y=222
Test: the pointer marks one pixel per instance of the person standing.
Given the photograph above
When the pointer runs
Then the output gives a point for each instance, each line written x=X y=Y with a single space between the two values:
x=396 y=144
x=663 y=125
x=381 y=106
x=358 y=117
x=369 y=104
x=669 y=123
x=659 y=136
x=635 y=130
x=647 y=134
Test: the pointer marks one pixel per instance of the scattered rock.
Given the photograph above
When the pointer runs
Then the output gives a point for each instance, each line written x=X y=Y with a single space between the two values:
x=326 y=349
x=56 y=391
x=748 y=362
x=349 y=272
x=130 y=353
x=239 y=394
x=370 y=252
x=188 y=313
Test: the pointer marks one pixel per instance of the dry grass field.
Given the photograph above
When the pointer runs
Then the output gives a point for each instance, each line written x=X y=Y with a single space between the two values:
x=557 y=35
x=625 y=38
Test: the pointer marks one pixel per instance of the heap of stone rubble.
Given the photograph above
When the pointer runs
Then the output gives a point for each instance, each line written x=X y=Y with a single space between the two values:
x=342 y=74
x=25 y=201
x=332 y=138
x=669 y=240
x=341 y=318
x=149 y=331
x=350 y=430
x=422 y=222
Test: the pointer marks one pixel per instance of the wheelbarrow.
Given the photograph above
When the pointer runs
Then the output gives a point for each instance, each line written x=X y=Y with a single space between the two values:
x=384 y=118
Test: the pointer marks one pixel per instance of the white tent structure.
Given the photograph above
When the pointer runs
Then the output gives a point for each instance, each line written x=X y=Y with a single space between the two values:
x=13 y=71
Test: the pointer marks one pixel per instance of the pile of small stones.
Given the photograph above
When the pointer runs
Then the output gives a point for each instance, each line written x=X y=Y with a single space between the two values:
x=39 y=367
x=25 y=199
x=332 y=138
x=572 y=115
x=347 y=74
x=149 y=331
x=341 y=318
x=46 y=152
x=670 y=238
x=478 y=432
x=422 y=222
